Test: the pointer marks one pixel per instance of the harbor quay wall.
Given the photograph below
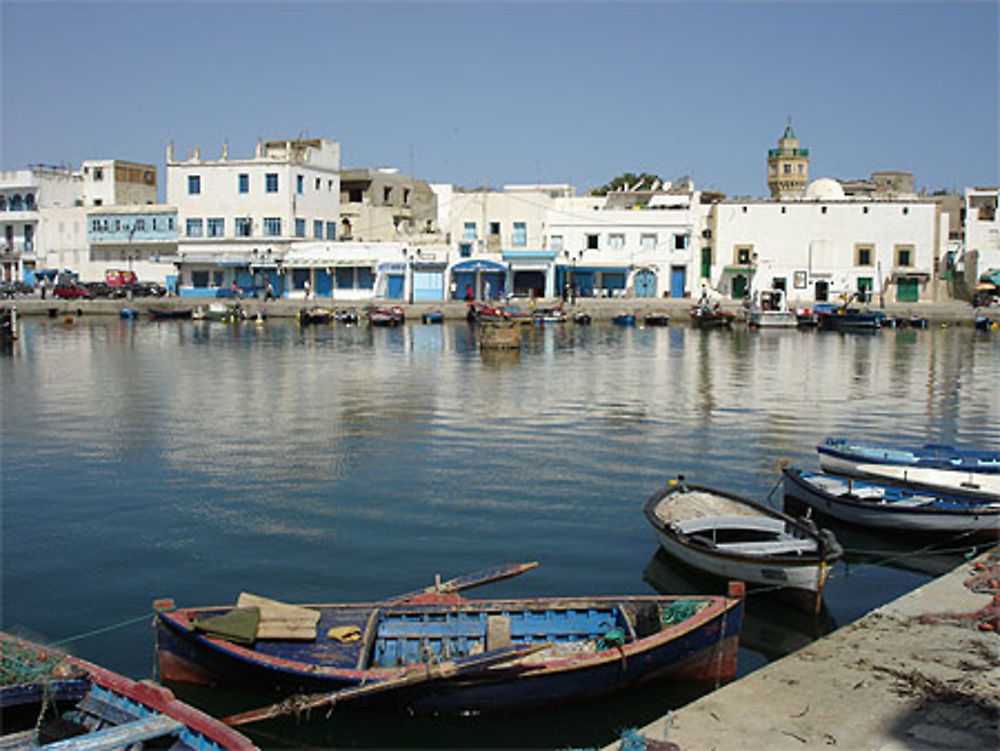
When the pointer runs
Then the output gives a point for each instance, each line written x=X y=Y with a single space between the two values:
x=921 y=672
x=945 y=313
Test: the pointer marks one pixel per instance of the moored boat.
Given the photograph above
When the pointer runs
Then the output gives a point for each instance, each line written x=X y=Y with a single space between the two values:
x=168 y=313
x=436 y=651
x=734 y=537
x=893 y=507
x=845 y=456
x=316 y=315
x=851 y=319
x=49 y=699
x=656 y=318
x=705 y=316
x=769 y=310
x=433 y=316
x=623 y=319
x=394 y=316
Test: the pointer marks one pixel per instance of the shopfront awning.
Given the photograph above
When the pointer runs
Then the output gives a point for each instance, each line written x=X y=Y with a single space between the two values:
x=479 y=265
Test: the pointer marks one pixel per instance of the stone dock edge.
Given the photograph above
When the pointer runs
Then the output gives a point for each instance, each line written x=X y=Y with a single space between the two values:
x=951 y=312
x=922 y=672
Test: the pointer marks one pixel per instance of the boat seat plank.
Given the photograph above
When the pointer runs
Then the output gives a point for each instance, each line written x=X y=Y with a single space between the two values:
x=732 y=521
x=789 y=547
x=120 y=736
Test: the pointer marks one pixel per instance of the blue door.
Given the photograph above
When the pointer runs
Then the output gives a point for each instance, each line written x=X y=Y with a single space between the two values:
x=428 y=285
x=395 y=287
x=678 y=280
x=645 y=283
x=324 y=283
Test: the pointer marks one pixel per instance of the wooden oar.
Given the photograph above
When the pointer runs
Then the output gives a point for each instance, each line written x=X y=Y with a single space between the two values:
x=468 y=581
x=420 y=673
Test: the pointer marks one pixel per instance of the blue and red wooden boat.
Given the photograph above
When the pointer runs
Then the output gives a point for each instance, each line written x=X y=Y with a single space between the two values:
x=437 y=652
x=51 y=699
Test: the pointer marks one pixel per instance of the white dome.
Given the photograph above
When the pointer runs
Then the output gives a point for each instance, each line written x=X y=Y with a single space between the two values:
x=824 y=189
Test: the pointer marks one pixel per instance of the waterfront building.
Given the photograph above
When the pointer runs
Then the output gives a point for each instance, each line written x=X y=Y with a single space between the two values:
x=826 y=246
x=237 y=218
x=641 y=242
x=982 y=231
x=139 y=238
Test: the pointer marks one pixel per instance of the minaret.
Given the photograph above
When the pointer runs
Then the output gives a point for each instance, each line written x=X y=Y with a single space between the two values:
x=787 y=166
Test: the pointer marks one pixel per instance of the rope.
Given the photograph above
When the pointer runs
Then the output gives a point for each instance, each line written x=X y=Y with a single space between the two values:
x=103 y=630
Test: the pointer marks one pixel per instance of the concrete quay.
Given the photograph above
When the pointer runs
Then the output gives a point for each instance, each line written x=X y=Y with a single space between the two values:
x=920 y=673
x=950 y=312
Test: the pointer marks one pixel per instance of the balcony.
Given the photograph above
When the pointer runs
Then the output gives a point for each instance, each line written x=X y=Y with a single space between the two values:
x=774 y=153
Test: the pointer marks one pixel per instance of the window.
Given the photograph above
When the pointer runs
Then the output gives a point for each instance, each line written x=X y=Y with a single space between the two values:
x=494 y=228
x=787 y=169
x=469 y=231
x=98 y=173
x=300 y=227
x=743 y=255
x=194 y=185
x=319 y=183
x=318 y=229
x=366 y=279
x=520 y=237
x=406 y=196
x=647 y=241
x=556 y=242
x=300 y=184
x=345 y=277
x=822 y=209
x=199 y=279
x=139 y=225
x=592 y=242
x=243 y=182
x=616 y=241
x=271 y=182
x=906 y=210
x=193 y=228
x=904 y=255
x=863 y=255
x=216 y=227
x=465 y=250
x=29 y=201
x=331 y=230
x=272 y=226
x=354 y=195
x=681 y=242
x=386 y=194
x=244 y=226
x=216 y=278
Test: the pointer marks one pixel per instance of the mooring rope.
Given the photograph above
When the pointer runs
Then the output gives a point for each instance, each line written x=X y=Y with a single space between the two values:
x=102 y=630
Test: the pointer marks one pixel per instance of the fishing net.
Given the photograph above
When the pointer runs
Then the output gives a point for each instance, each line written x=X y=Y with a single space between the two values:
x=677 y=612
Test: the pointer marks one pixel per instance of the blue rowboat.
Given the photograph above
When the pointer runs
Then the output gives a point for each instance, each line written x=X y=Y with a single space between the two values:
x=893 y=507
x=624 y=319
x=845 y=455
x=52 y=700
x=433 y=316
x=437 y=652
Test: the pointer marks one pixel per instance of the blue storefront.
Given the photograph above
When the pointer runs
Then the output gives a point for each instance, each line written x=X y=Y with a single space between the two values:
x=478 y=279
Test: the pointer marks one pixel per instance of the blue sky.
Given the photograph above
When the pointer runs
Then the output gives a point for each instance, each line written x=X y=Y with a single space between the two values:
x=479 y=93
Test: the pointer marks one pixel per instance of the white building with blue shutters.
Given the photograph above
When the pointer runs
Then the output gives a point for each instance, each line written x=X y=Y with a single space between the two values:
x=238 y=217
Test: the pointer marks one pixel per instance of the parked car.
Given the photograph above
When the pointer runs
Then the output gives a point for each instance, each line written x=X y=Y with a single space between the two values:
x=146 y=289
x=101 y=289
x=72 y=292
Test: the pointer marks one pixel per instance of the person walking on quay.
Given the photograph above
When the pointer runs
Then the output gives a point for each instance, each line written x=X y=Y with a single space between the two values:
x=305 y=286
x=269 y=292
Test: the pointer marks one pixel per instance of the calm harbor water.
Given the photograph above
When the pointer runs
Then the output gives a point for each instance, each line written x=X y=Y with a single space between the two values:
x=194 y=460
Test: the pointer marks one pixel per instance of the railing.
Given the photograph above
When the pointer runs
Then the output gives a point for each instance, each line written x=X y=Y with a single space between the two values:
x=787 y=152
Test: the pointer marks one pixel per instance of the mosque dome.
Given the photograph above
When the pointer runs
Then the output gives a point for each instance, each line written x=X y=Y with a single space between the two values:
x=824 y=189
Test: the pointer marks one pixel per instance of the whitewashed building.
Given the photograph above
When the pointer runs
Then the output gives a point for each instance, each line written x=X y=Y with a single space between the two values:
x=982 y=229
x=826 y=246
x=237 y=218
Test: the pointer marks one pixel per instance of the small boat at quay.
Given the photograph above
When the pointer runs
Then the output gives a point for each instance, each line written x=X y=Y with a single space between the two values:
x=892 y=507
x=160 y=314
x=433 y=316
x=937 y=468
x=769 y=310
x=705 y=316
x=394 y=316
x=851 y=319
x=656 y=318
x=624 y=319
x=52 y=700
x=734 y=537
x=434 y=651
x=316 y=315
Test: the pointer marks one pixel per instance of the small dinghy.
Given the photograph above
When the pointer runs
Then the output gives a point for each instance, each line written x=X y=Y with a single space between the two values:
x=730 y=536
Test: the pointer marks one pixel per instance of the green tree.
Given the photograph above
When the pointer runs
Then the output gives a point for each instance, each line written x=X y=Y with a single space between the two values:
x=629 y=180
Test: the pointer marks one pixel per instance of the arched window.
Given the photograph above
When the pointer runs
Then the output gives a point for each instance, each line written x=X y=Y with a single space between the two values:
x=3 y=203
x=29 y=201
x=16 y=204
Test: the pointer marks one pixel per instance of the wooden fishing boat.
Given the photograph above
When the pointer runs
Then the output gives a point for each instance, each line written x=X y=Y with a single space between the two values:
x=584 y=319
x=49 y=699
x=555 y=314
x=316 y=315
x=169 y=313
x=433 y=316
x=734 y=537
x=893 y=507
x=435 y=651
x=704 y=316
x=624 y=319
x=938 y=468
x=851 y=319
x=656 y=318
x=394 y=316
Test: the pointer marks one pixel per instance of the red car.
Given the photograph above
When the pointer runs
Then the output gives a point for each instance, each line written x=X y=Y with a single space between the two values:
x=72 y=291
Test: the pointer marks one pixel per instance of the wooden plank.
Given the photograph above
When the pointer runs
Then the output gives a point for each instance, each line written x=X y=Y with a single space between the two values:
x=120 y=736
x=476 y=579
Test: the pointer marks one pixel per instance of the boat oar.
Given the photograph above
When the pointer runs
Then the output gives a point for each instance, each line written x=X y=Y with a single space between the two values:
x=468 y=581
x=421 y=673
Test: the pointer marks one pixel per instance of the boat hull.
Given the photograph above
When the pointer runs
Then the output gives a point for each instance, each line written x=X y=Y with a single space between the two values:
x=703 y=646
x=840 y=498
